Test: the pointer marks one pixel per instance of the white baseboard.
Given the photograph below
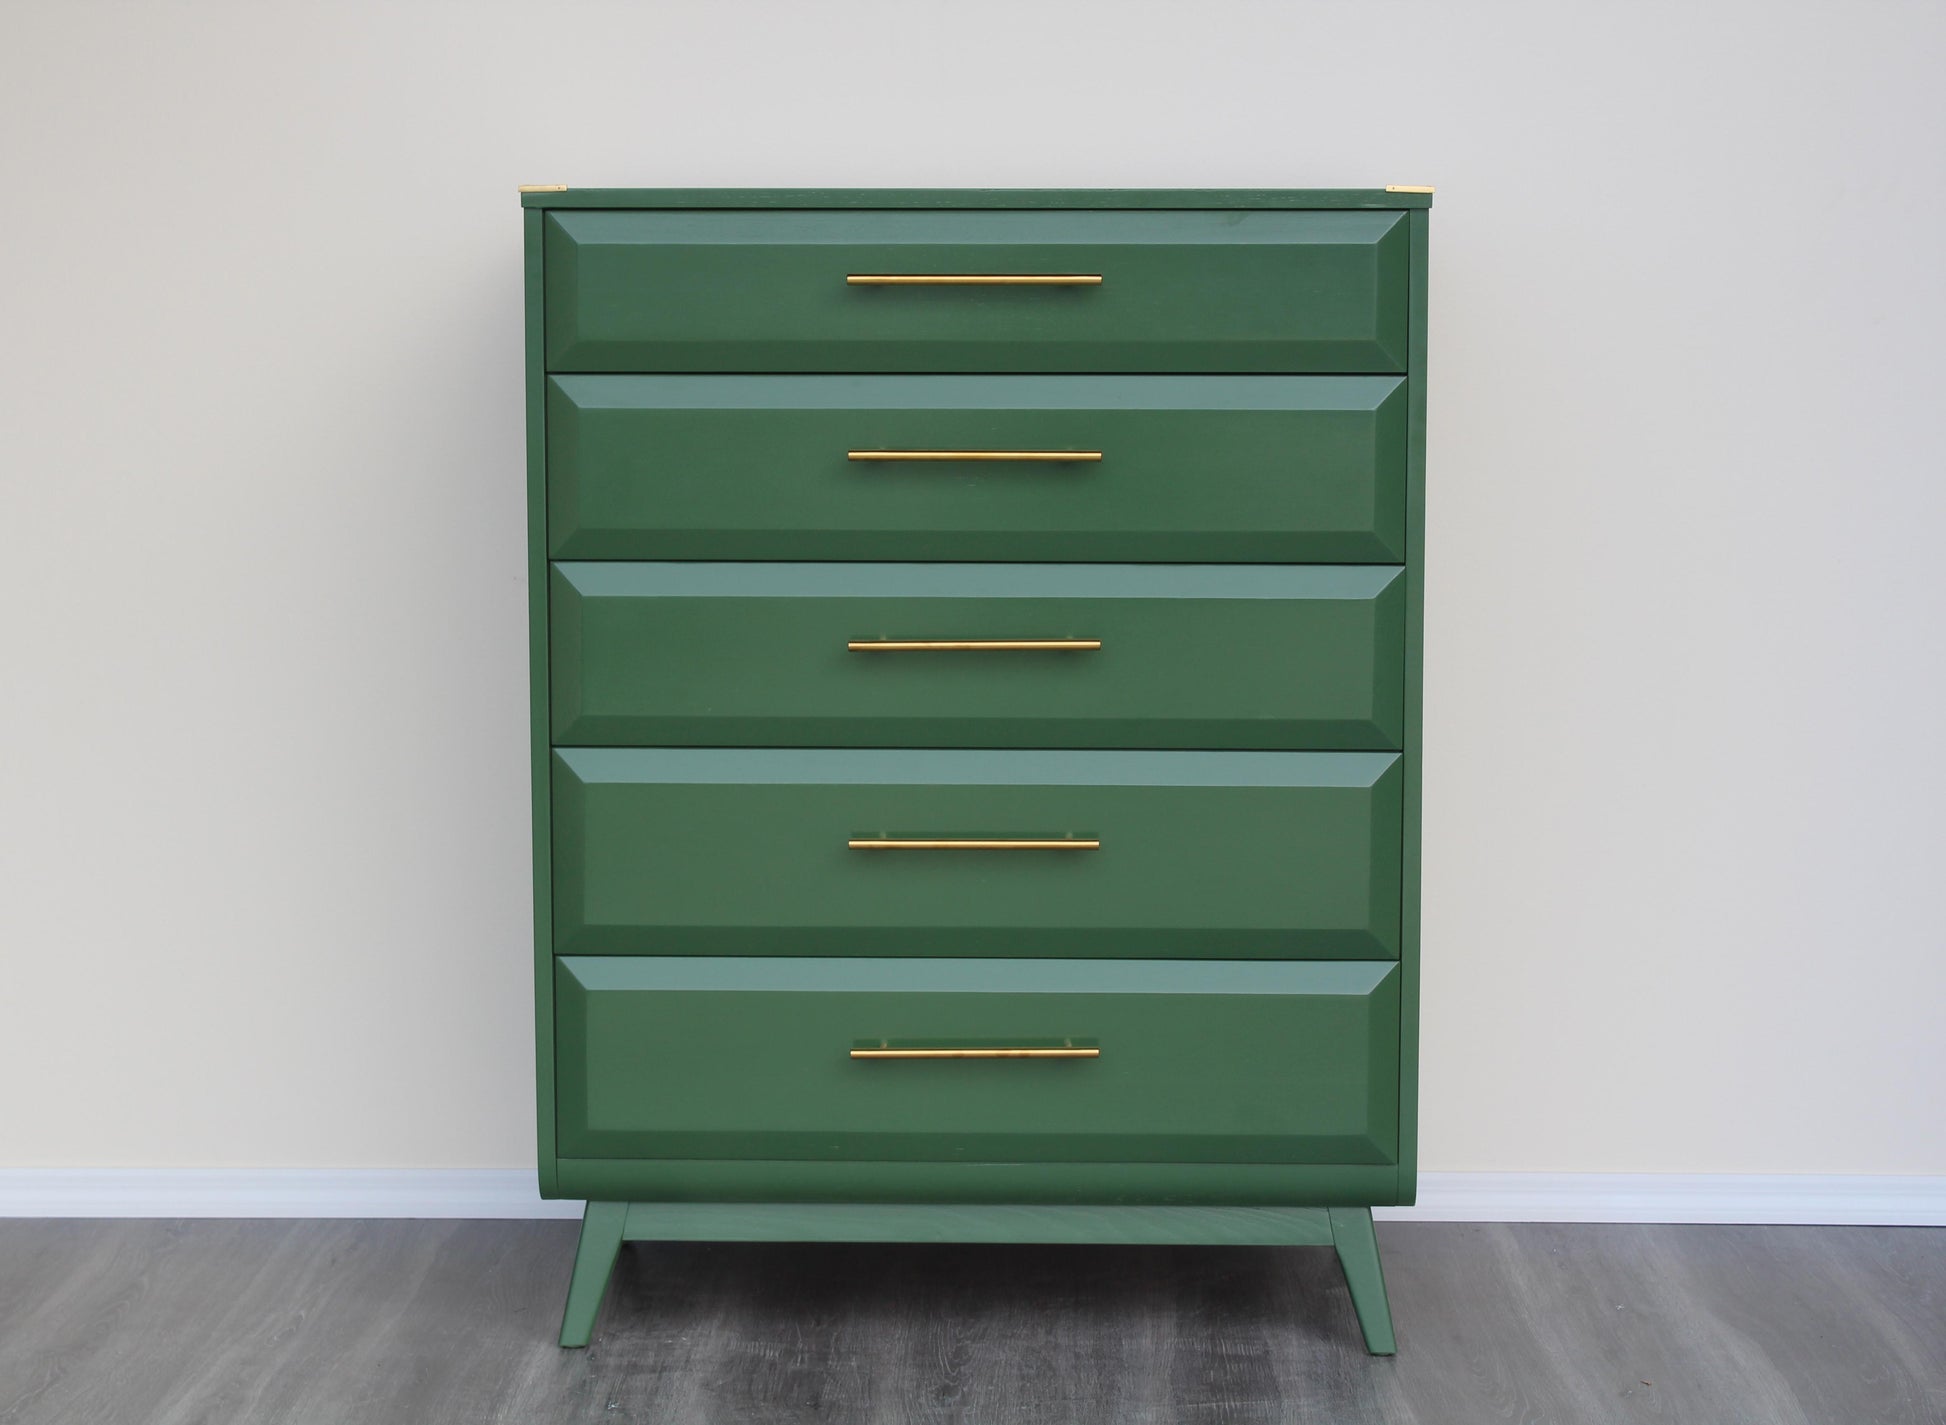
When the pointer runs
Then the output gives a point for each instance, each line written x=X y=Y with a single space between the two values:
x=275 y=1192
x=511 y=1193
x=1877 y=1201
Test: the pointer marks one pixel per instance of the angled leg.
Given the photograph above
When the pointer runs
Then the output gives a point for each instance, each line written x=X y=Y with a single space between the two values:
x=594 y=1259
x=1351 y=1233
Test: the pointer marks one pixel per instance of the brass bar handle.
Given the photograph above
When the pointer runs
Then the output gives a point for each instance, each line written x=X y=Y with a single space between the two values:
x=1045 y=457
x=974 y=645
x=1068 y=1052
x=973 y=279
x=973 y=843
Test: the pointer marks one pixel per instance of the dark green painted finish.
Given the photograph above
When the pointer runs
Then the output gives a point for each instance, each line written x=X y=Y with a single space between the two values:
x=1241 y=656
x=726 y=290
x=926 y=1222
x=1204 y=855
x=602 y=1224
x=748 y=1058
x=539 y=767
x=812 y=1182
x=1412 y=765
x=957 y=198
x=1282 y=861
x=1351 y=1232
x=1194 y=469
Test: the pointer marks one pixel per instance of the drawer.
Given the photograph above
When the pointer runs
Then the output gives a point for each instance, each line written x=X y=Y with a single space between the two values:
x=684 y=851
x=687 y=1058
x=837 y=655
x=1191 y=469
x=1179 y=291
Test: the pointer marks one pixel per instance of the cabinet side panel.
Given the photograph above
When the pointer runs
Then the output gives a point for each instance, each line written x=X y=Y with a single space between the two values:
x=1415 y=465
x=538 y=704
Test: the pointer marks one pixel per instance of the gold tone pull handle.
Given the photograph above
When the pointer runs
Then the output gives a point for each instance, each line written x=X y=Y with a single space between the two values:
x=973 y=843
x=883 y=1049
x=974 y=279
x=1045 y=457
x=974 y=645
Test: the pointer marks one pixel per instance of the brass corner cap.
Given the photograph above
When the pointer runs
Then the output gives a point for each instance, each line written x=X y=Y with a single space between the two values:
x=562 y=188
x=1408 y=188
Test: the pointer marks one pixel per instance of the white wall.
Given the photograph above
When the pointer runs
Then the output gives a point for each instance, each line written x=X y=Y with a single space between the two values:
x=263 y=836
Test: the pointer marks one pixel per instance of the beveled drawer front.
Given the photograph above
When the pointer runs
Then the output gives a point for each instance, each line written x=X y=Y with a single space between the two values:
x=878 y=655
x=1187 y=469
x=1224 y=855
x=675 y=1057
x=777 y=291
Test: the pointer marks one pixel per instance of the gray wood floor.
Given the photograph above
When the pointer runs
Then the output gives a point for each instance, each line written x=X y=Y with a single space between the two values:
x=166 y=1323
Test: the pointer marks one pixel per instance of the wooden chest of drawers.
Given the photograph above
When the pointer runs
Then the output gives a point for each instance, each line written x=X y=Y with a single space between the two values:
x=976 y=715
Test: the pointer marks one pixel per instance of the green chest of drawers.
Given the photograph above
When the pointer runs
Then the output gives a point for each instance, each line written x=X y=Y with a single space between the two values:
x=976 y=715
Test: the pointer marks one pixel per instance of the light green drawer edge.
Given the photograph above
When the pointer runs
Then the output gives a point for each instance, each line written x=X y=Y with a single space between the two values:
x=748 y=1180
x=731 y=579
x=974 y=767
x=850 y=391
x=970 y=1222
x=795 y=974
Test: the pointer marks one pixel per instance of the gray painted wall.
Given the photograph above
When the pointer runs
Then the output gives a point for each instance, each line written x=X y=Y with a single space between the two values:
x=263 y=836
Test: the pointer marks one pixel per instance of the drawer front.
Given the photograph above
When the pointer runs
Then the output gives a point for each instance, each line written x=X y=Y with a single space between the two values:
x=1179 y=291
x=1191 y=469
x=1273 y=855
x=823 y=655
x=685 y=1058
